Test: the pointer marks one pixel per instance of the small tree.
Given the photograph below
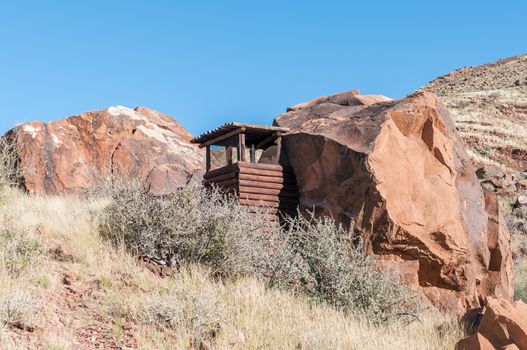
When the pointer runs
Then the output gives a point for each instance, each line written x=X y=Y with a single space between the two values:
x=10 y=171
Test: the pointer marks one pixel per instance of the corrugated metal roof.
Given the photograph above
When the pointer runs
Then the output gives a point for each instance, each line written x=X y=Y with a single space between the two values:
x=227 y=127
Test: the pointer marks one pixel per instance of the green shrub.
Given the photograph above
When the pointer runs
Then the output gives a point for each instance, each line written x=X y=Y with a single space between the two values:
x=519 y=249
x=17 y=308
x=19 y=250
x=10 y=171
x=516 y=217
x=520 y=279
x=309 y=255
x=336 y=270
x=191 y=225
x=517 y=221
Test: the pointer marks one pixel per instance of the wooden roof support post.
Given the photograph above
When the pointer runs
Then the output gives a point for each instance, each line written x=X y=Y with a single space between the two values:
x=228 y=154
x=207 y=164
x=253 y=154
x=278 y=142
x=241 y=147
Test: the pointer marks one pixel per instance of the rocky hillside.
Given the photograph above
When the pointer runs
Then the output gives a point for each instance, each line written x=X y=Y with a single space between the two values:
x=489 y=106
x=66 y=288
x=69 y=155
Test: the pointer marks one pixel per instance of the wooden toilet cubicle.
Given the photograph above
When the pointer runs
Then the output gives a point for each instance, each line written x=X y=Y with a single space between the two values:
x=244 y=160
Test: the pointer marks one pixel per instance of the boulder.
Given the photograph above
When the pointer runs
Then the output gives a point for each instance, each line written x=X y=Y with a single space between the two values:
x=474 y=342
x=397 y=171
x=510 y=347
x=521 y=201
x=69 y=155
x=503 y=325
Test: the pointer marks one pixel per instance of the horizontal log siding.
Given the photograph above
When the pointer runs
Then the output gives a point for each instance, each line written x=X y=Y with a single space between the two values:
x=265 y=185
x=270 y=191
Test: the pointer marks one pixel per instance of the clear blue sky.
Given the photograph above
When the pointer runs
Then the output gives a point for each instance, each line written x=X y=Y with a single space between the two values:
x=207 y=62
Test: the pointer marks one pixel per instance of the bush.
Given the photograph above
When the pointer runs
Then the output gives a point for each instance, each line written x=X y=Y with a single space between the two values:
x=19 y=250
x=336 y=270
x=197 y=226
x=17 y=308
x=10 y=172
x=519 y=250
x=516 y=217
x=517 y=220
x=189 y=226
x=520 y=279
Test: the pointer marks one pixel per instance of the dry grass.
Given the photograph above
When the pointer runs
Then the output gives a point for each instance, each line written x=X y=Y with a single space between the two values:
x=245 y=314
x=180 y=311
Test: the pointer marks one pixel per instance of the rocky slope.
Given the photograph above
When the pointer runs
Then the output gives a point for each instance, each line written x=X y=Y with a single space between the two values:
x=489 y=105
x=76 y=292
x=399 y=172
x=70 y=155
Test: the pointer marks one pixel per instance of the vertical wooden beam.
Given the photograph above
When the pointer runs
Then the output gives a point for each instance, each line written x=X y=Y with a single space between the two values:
x=253 y=154
x=241 y=147
x=228 y=154
x=207 y=152
x=278 y=142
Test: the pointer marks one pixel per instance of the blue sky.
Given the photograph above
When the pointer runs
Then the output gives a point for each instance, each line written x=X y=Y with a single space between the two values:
x=208 y=62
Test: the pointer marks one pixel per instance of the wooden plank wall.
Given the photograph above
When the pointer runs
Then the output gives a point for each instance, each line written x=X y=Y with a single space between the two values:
x=268 y=185
x=224 y=178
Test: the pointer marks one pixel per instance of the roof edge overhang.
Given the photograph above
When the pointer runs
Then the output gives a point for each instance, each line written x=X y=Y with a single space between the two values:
x=229 y=127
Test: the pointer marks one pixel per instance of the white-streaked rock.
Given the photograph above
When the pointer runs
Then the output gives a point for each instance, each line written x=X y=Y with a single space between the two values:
x=68 y=155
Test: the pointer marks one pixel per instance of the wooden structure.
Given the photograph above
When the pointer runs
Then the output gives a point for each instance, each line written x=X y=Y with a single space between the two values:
x=254 y=172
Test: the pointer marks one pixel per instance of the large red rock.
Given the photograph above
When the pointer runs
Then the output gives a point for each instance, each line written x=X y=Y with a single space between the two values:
x=66 y=156
x=474 y=342
x=398 y=172
x=505 y=323
x=503 y=326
